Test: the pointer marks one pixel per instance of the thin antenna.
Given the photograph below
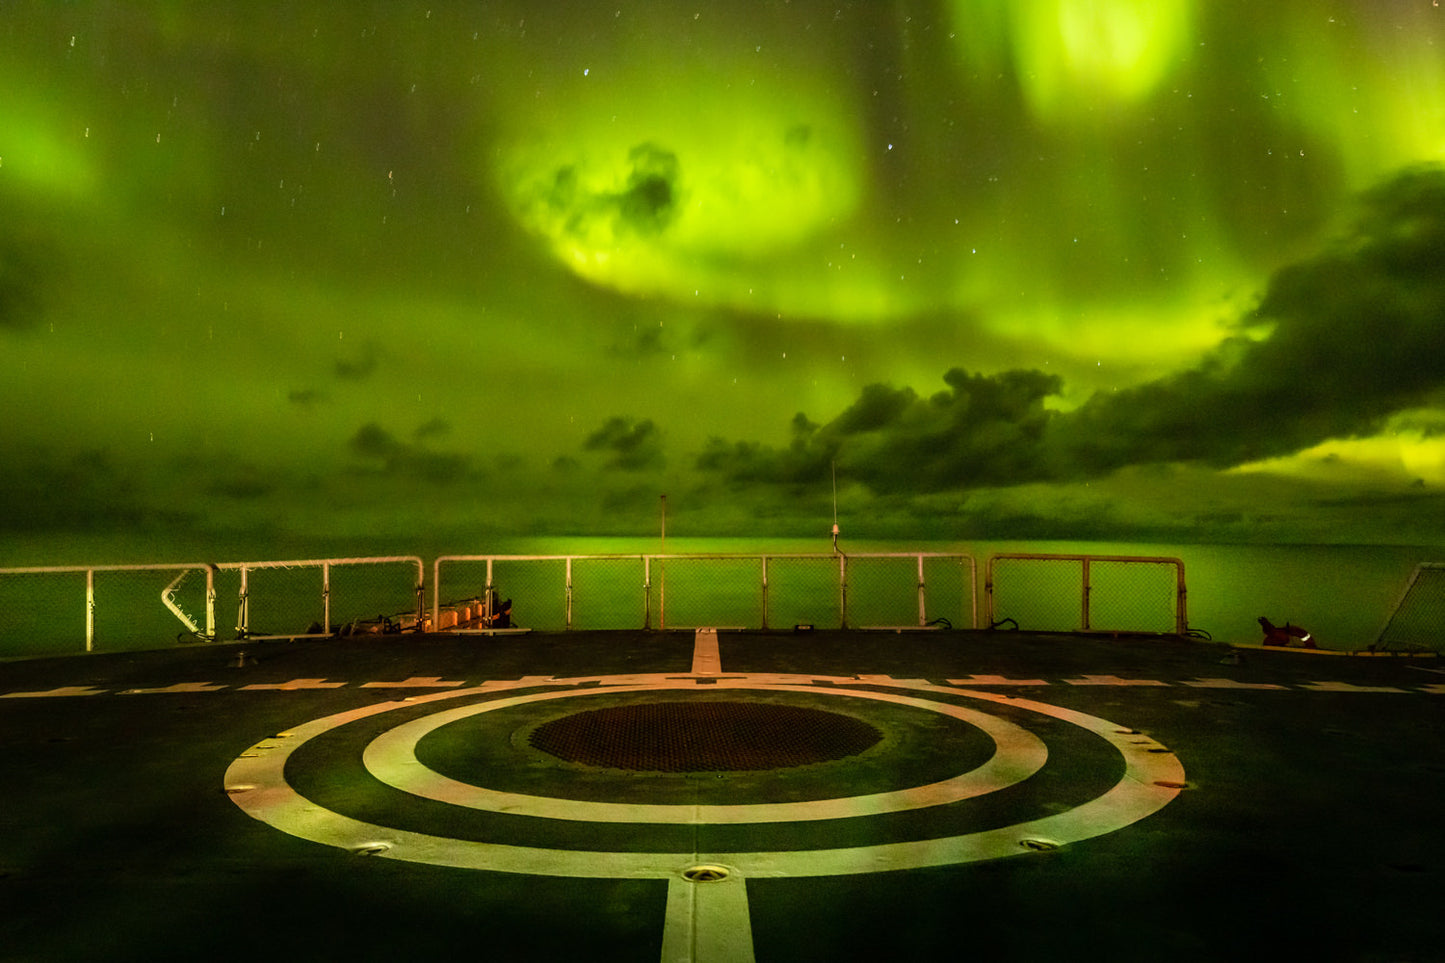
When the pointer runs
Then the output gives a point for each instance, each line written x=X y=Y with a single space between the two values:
x=834 y=465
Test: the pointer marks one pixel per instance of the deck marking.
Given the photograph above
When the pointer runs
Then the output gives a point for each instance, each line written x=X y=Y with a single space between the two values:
x=294 y=685
x=1229 y=684
x=416 y=682
x=995 y=680
x=391 y=758
x=1112 y=680
x=707 y=922
x=706 y=660
x=256 y=782
x=1346 y=687
x=178 y=687
x=64 y=692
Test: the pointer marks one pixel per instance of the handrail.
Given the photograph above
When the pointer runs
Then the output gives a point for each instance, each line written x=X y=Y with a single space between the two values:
x=1181 y=612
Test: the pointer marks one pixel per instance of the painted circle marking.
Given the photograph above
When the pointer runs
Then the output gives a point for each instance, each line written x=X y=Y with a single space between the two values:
x=391 y=758
x=1151 y=773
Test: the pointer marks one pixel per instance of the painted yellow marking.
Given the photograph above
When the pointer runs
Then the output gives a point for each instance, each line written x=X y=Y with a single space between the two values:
x=707 y=922
x=294 y=685
x=1346 y=687
x=706 y=660
x=1112 y=680
x=64 y=692
x=391 y=758
x=1433 y=689
x=1230 y=684
x=995 y=680
x=178 y=687
x=416 y=682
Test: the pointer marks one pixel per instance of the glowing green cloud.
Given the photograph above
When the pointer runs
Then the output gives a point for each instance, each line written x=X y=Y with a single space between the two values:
x=659 y=196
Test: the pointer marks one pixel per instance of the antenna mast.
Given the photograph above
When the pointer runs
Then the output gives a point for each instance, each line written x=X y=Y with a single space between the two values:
x=834 y=466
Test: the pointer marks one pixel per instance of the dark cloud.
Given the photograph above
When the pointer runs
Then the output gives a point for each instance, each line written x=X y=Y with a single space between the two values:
x=359 y=368
x=20 y=299
x=42 y=489
x=983 y=430
x=387 y=455
x=434 y=428
x=305 y=397
x=1351 y=337
x=1354 y=335
x=633 y=445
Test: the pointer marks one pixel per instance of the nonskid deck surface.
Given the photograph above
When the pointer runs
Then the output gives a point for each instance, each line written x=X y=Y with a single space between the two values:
x=807 y=796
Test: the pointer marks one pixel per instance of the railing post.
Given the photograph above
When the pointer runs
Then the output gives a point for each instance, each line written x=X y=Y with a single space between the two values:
x=922 y=608
x=568 y=615
x=211 y=603
x=765 y=591
x=326 y=597
x=243 y=604
x=1086 y=594
x=647 y=592
x=90 y=610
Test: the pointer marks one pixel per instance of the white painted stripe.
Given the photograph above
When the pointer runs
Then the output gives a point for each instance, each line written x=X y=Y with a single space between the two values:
x=391 y=757
x=295 y=684
x=707 y=922
x=706 y=660
x=256 y=782
x=178 y=687
x=62 y=693
x=416 y=682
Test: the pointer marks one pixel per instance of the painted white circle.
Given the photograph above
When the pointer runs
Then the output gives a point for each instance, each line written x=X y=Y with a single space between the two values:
x=256 y=782
x=391 y=758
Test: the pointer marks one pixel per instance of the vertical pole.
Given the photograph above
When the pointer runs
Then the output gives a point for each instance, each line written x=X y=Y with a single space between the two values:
x=326 y=597
x=843 y=591
x=662 y=572
x=765 y=591
x=211 y=603
x=1086 y=594
x=243 y=607
x=569 y=593
x=646 y=592
x=90 y=610
x=922 y=608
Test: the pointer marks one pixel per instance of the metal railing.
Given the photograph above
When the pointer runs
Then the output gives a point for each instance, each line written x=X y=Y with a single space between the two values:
x=305 y=598
x=30 y=598
x=1110 y=594
x=563 y=592
x=1417 y=620
x=292 y=608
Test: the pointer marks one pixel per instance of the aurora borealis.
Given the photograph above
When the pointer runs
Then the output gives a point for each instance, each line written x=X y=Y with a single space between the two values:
x=1110 y=269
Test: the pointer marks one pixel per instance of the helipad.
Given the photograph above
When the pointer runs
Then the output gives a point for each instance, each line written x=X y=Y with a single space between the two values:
x=737 y=796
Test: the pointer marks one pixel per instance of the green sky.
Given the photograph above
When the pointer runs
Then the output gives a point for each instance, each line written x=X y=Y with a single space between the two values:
x=1111 y=269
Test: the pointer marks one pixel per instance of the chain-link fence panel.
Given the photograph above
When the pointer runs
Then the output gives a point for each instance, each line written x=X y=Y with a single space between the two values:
x=882 y=591
x=131 y=611
x=537 y=589
x=803 y=591
x=1418 y=621
x=319 y=597
x=42 y=613
x=1133 y=596
x=948 y=590
x=707 y=591
x=609 y=593
x=106 y=608
x=1037 y=594
x=1080 y=593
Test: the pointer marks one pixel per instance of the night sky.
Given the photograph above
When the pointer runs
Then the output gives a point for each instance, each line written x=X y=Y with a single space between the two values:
x=447 y=272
